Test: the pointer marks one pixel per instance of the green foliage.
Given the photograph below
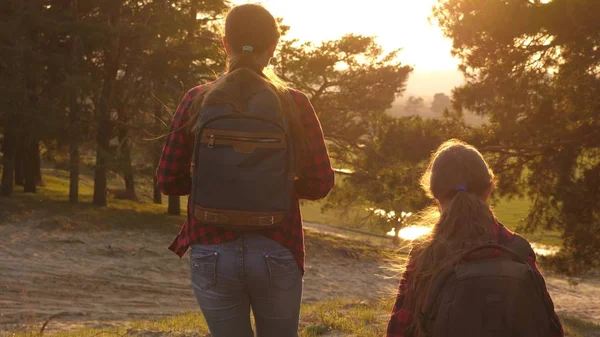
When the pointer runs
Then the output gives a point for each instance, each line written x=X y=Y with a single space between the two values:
x=388 y=168
x=76 y=72
x=414 y=105
x=351 y=83
x=440 y=103
x=533 y=68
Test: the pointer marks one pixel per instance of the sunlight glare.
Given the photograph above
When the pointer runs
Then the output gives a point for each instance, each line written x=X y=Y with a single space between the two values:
x=413 y=232
x=343 y=170
x=396 y=23
x=410 y=233
x=544 y=250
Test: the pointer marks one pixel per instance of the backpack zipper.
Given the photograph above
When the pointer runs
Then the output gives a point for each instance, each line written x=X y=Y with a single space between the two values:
x=212 y=138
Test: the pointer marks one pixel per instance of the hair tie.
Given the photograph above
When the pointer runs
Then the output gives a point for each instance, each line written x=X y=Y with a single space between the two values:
x=248 y=49
x=461 y=188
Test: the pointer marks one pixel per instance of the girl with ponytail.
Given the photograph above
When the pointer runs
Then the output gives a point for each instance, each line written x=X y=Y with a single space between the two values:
x=238 y=271
x=460 y=181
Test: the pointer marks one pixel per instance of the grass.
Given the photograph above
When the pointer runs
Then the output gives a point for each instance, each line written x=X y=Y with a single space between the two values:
x=511 y=212
x=577 y=328
x=129 y=213
x=311 y=211
x=340 y=317
x=53 y=197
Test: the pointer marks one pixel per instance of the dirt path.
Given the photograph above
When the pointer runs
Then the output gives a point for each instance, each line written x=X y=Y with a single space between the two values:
x=49 y=267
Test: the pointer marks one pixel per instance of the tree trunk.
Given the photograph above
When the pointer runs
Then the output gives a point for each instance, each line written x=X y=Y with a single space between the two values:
x=31 y=121
x=125 y=150
x=30 y=169
x=8 y=147
x=129 y=182
x=126 y=164
x=174 y=205
x=128 y=175
x=396 y=239
x=13 y=120
x=102 y=157
x=157 y=151
x=111 y=66
x=157 y=195
x=18 y=162
x=38 y=166
x=74 y=116
x=73 y=147
x=193 y=23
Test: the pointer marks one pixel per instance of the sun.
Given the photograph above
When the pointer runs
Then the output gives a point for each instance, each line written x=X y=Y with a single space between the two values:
x=396 y=24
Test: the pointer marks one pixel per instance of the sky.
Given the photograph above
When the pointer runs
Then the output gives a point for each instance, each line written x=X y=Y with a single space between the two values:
x=396 y=24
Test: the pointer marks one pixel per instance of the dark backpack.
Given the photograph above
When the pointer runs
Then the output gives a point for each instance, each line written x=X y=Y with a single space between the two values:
x=243 y=164
x=489 y=297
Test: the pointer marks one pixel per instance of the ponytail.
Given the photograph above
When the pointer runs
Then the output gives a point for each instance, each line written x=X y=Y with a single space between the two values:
x=466 y=220
x=460 y=180
x=250 y=30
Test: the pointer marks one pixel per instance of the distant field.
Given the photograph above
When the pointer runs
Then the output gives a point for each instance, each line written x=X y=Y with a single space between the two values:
x=509 y=212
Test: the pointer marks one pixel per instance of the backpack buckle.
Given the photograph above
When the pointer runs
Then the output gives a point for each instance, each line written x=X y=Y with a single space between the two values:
x=211 y=217
x=266 y=220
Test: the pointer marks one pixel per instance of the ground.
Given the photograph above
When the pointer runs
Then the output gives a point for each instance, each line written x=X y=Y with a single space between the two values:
x=108 y=271
x=52 y=266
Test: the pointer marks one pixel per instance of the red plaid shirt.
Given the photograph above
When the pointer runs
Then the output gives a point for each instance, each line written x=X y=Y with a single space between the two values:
x=402 y=318
x=173 y=176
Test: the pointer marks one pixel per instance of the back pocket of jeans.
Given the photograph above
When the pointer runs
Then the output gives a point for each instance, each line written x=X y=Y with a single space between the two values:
x=204 y=269
x=283 y=270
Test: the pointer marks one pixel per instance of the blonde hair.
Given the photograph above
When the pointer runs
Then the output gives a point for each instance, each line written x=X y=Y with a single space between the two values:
x=457 y=177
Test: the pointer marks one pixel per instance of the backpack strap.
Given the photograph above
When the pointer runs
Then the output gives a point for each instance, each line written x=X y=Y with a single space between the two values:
x=426 y=318
x=521 y=246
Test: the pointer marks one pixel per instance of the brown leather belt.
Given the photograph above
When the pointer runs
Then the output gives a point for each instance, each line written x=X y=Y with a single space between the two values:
x=238 y=219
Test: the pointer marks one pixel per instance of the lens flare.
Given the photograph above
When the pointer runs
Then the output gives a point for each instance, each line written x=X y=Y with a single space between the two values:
x=413 y=232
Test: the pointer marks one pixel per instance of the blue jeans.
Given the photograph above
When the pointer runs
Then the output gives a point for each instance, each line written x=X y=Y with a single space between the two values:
x=250 y=272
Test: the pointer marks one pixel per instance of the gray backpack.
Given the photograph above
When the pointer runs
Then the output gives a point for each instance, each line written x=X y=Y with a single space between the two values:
x=493 y=297
x=243 y=164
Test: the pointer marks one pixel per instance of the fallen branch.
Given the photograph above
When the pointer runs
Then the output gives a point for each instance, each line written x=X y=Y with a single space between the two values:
x=51 y=318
